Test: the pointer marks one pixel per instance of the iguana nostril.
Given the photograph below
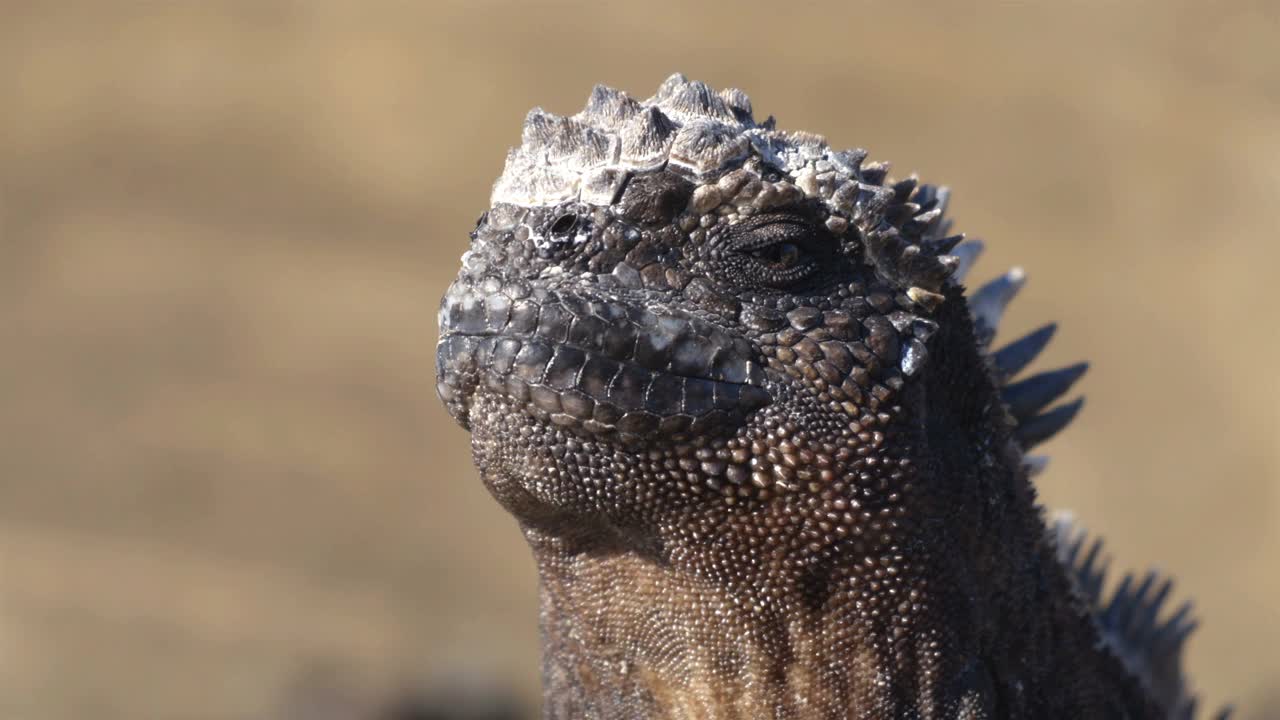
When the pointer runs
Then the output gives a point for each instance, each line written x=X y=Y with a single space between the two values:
x=564 y=225
x=566 y=232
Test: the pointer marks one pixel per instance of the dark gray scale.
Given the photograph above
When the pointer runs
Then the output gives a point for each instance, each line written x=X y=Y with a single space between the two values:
x=1026 y=398
x=1041 y=427
x=1017 y=355
x=1130 y=619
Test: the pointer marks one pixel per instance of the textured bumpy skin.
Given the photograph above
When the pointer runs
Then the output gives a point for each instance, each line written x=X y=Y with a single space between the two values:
x=729 y=383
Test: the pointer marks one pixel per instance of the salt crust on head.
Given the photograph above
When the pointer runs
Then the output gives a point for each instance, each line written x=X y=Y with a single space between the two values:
x=686 y=127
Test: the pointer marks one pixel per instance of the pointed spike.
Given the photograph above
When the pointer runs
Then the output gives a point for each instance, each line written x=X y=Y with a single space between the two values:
x=1044 y=426
x=739 y=103
x=944 y=198
x=943 y=246
x=1162 y=594
x=562 y=139
x=1088 y=576
x=1017 y=355
x=1154 y=606
x=1077 y=537
x=989 y=301
x=537 y=126
x=608 y=107
x=1066 y=538
x=926 y=217
x=696 y=100
x=850 y=160
x=1094 y=583
x=1181 y=624
x=1143 y=620
x=1091 y=557
x=1035 y=464
x=1144 y=587
x=925 y=195
x=874 y=173
x=1028 y=397
x=968 y=253
x=1069 y=550
x=705 y=146
x=1128 y=620
x=1117 y=611
x=646 y=138
x=903 y=188
x=668 y=87
x=1186 y=630
x=1173 y=632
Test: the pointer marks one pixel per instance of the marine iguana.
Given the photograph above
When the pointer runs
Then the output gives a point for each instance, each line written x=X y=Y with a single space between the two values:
x=729 y=382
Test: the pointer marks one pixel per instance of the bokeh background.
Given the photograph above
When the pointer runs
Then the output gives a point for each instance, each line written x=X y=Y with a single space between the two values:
x=227 y=489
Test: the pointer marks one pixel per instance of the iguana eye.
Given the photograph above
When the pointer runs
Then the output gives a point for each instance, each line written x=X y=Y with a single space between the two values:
x=780 y=255
x=774 y=253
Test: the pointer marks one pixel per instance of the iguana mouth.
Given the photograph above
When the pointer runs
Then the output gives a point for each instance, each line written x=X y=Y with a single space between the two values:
x=598 y=366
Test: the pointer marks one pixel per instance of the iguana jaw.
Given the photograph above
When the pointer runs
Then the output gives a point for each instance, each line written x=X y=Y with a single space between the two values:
x=595 y=365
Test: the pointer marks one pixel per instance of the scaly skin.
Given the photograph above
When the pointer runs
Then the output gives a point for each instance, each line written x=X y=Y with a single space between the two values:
x=747 y=425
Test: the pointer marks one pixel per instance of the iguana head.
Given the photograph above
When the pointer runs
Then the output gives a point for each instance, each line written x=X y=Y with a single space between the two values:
x=727 y=380
x=697 y=335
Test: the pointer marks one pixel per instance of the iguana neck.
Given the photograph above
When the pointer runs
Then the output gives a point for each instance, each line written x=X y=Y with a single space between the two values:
x=629 y=636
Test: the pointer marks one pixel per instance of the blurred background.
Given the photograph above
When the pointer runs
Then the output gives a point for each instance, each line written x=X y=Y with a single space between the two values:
x=227 y=489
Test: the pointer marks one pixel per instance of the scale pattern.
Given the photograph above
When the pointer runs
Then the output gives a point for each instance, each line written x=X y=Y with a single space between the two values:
x=730 y=384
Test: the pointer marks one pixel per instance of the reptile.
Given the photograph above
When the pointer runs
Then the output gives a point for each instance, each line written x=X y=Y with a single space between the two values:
x=731 y=385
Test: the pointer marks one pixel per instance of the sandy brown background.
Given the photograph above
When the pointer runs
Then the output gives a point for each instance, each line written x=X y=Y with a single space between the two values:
x=225 y=480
